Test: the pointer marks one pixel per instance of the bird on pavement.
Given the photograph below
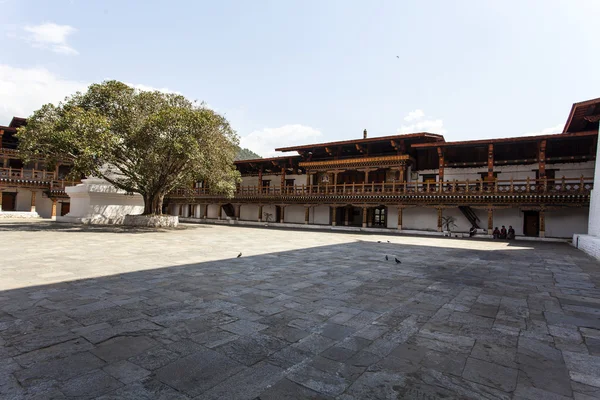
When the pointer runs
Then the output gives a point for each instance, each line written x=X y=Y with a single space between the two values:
x=388 y=241
x=397 y=261
x=386 y=258
x=379 y=241
x=239 y=255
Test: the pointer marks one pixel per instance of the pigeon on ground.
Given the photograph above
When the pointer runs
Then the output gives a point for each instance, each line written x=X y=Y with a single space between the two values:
x=239 y=255
x=388 y=241
x=379 y=241
x=397 y=261
x=386 y=258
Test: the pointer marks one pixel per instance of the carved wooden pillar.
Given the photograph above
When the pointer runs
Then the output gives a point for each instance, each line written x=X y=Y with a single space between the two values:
x=542 y=223
x=347 y=212
x=366 y=175
x=490 y=224
x=364 y=223
x=400 y=209
x=333 y=215
x=282 y=179
x=402 y=173
x=542 y=159
x=205 y=214
x=260 y=213
x=439 y=222
x=306 y=214
x=0 y=201
x=260 y=180
x=282 y=214
x=220 y=213
x=490 y=161
x=441 y=167
x=32 y=201
x=53 y=212
x=307 y=178
x=237 y=211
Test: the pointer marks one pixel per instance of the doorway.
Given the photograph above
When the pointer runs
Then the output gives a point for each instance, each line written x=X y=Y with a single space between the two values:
x=65 y=208
x=8 y=201
x=531 y=223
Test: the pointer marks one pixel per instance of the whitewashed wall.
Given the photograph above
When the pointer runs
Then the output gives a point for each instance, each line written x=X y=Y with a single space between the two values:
x=274 y=178
x=392 y=217
x=43 y=206
x=508 y=217
x=517 y=172
x=23 y=200
x=213 y=211
x=269 y=209
x=249 y=212
x=424 y=219
x=319 y=215
x=461 y=222
x=294 y=214
x=566 y=222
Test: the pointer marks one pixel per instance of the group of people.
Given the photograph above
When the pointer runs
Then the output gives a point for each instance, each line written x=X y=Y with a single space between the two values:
x=503 y=233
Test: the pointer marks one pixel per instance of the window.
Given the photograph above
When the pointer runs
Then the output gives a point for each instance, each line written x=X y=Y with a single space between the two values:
x=379 y=216
x=289 y=182
x=265 y=186
x=429 y=178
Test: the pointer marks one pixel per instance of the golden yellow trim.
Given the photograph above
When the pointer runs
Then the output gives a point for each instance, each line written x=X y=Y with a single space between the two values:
x=350 y=162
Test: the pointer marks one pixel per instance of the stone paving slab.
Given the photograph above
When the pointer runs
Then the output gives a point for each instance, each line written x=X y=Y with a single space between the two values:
x=120 y=313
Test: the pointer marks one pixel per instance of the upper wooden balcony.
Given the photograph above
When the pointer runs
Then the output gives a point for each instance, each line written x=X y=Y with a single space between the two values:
x=32 y=178
x=527 y=191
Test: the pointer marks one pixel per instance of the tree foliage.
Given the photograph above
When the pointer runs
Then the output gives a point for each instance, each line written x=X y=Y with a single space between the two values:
x=142 y=142
x=246 y=154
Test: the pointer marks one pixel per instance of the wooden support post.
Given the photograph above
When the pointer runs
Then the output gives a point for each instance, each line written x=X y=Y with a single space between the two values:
x=33 y=201
x=237 y=208
x=306 y=214
x=260 y=213
x=366 y=176
x=347 y=211
x=0 y=201
x=490 y=224
x=333 y=215
x=364 y=223
x=220 y=212
x=490 y=162
x=282 y=179
x=53 y=212
x=441 y=165
x=542 y=159
x=400 y=218
x=282 y=214
x=205 y=214
x=260 y=172
x=1 y=134
x=542 y=223
x=439 y=224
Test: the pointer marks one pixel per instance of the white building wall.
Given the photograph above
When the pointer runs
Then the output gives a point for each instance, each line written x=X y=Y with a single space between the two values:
x=563 y=223
x=508 y=217
x=461 y=222
x=320 y=215
x=249 y=212
x=213 y=211
x=43 y=206
x=516 y=172
x=294 y=214
x=424 y=219
x=270 y=209
x=23 y=200
x=392 y=217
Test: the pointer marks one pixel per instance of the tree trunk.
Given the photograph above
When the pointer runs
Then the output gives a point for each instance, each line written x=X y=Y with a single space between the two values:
x=153 y=203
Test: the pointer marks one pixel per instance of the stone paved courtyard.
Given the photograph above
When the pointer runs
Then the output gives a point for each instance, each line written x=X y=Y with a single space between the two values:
x=110 y=313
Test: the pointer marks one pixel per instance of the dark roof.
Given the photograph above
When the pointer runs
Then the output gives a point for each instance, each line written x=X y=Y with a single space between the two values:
x=505 y=140
x=420 y=135
x=17 y=122
x=584 y=116
x=259 y=160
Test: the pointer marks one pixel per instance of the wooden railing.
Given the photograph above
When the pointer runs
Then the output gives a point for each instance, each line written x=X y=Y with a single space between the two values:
x=26 y=174
x=59 y=185
x=477 y=187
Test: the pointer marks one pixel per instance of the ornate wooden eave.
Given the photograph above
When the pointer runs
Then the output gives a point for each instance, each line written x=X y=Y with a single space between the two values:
x=350 y=163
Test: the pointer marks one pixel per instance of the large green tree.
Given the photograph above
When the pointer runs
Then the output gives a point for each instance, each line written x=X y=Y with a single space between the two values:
x=142 y=142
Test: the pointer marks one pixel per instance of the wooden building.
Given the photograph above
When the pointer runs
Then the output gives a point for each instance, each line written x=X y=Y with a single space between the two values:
x=29 y=189
x=539 y=185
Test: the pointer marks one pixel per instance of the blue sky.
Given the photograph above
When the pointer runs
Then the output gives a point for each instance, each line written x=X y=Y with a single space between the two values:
x=291 y=72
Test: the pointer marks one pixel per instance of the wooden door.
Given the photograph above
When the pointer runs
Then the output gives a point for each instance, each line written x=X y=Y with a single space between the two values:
x=64 y=208
x=531 y=222
x=8 y=201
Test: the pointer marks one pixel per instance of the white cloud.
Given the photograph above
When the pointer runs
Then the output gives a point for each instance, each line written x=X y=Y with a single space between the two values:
x=265 y=141
x=147 y=88
x=27 y=89
x=547 y=131
x=50 y=36
x=414 y=115
x=420 y=123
